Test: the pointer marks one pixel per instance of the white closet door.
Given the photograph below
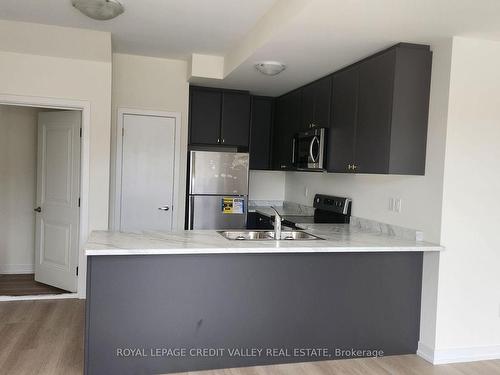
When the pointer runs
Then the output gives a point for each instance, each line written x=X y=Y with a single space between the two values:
x=147 y=173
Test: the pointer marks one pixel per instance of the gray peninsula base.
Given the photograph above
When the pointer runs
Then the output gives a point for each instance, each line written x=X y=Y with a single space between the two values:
x=140 y=308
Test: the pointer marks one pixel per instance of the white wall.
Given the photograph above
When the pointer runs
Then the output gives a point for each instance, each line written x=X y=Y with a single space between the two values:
x=468 y=315
x=48 y=40
x=18 y=133
x=157 y=84
x=267 y=185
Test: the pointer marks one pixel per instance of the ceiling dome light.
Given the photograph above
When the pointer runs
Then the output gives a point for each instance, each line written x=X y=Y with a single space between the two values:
x=270 y=68
x=99 y=9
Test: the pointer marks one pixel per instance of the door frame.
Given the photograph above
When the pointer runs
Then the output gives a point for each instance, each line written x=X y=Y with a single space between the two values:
x=116 y=192
x=84 y=107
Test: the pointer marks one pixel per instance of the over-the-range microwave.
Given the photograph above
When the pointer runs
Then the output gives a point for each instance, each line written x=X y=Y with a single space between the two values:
x=309 y=150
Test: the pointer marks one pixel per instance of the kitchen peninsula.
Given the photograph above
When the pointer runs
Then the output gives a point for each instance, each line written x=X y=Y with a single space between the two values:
x=358 y=287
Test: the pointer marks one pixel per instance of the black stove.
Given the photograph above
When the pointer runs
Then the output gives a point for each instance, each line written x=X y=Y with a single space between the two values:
x=328 y=209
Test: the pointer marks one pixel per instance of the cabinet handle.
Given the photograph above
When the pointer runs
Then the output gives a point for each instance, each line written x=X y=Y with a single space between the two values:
x=349 y=166
x=293 y=150
x=282 y=166
x=354 y=167
x=218 y=140
x=222 y=140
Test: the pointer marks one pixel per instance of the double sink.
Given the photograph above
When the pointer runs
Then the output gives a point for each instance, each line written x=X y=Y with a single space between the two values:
x=267 y=235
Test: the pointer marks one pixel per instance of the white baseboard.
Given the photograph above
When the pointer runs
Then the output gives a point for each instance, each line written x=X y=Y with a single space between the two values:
x=39 y=297
x=425 y=352
x=455 y=355
x=16 y=268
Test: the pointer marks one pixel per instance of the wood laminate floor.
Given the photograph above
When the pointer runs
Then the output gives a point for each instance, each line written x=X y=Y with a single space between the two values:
x=45 y=337
x=42 y=337
x=392 y=365
x=25 y=285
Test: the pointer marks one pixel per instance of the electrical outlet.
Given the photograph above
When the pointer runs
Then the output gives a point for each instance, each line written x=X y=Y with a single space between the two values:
x=397 y=205
x=391 y=204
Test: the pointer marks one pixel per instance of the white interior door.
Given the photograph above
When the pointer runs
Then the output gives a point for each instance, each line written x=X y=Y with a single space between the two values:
x=58 y=189
x=148 y=154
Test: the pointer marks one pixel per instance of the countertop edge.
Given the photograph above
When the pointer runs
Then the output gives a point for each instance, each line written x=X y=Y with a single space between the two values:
x=275 y=250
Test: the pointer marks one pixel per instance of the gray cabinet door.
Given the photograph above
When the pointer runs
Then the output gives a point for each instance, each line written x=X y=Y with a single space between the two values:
x=307 y=108
x=322 y=102
x=260 y=134
x=376 y=79
x=341 y=135
x=206 y=212
x=235 y=124
x=204 y=116
x=286 y=126
x=316 y=100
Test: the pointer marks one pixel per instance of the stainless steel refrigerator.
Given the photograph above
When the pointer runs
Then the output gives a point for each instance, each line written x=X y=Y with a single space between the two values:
x=218 y=190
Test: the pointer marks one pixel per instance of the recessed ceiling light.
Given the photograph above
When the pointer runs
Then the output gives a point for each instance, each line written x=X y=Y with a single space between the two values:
x=99 y=9
x=270 y=68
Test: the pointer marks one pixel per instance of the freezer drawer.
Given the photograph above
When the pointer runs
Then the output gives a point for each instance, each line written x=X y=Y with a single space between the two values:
x=207 y=212
x=218 y=173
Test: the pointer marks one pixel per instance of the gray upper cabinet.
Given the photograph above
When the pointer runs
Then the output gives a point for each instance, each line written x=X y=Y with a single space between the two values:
x=235 y=124
x=316 y=101
x=376 y=112
x=373 y=130
x=261 y=132
x=380 y=111
x=204 y=115
x=341 y=135
x=286 y=125
x=219 y=117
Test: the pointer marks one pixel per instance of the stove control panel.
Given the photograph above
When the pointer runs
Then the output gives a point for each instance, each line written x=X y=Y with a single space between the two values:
x=331 y=203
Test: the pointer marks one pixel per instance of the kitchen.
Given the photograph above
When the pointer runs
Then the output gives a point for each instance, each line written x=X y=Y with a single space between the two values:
x=247 y=256
x=334 y=213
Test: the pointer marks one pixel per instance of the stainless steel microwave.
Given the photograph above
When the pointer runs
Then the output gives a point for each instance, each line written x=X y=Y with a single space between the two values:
x=309 y=149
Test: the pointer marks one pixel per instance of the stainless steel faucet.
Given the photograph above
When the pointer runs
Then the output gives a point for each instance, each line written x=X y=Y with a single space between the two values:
x=277 y=224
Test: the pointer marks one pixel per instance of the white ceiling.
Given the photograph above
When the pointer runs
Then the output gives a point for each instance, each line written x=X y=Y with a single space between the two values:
x=325 y=36
x=330 y=34
x=162 y=28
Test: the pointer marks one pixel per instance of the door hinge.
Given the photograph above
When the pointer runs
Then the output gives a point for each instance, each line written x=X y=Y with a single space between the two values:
x=76 y=270
x=78 y=202
x=81 y=131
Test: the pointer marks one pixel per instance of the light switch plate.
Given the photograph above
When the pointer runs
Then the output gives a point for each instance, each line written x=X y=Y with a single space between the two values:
x=397 y=205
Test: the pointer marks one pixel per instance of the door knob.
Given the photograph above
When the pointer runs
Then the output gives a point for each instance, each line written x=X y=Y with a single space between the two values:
x=164 y=208
x=38 y=209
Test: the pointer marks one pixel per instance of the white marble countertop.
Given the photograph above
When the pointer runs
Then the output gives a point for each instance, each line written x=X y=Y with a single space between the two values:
x=336 y=238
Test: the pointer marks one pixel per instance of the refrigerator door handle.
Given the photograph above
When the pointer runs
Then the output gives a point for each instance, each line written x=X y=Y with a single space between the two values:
x=191 y=171
x=190 y=212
